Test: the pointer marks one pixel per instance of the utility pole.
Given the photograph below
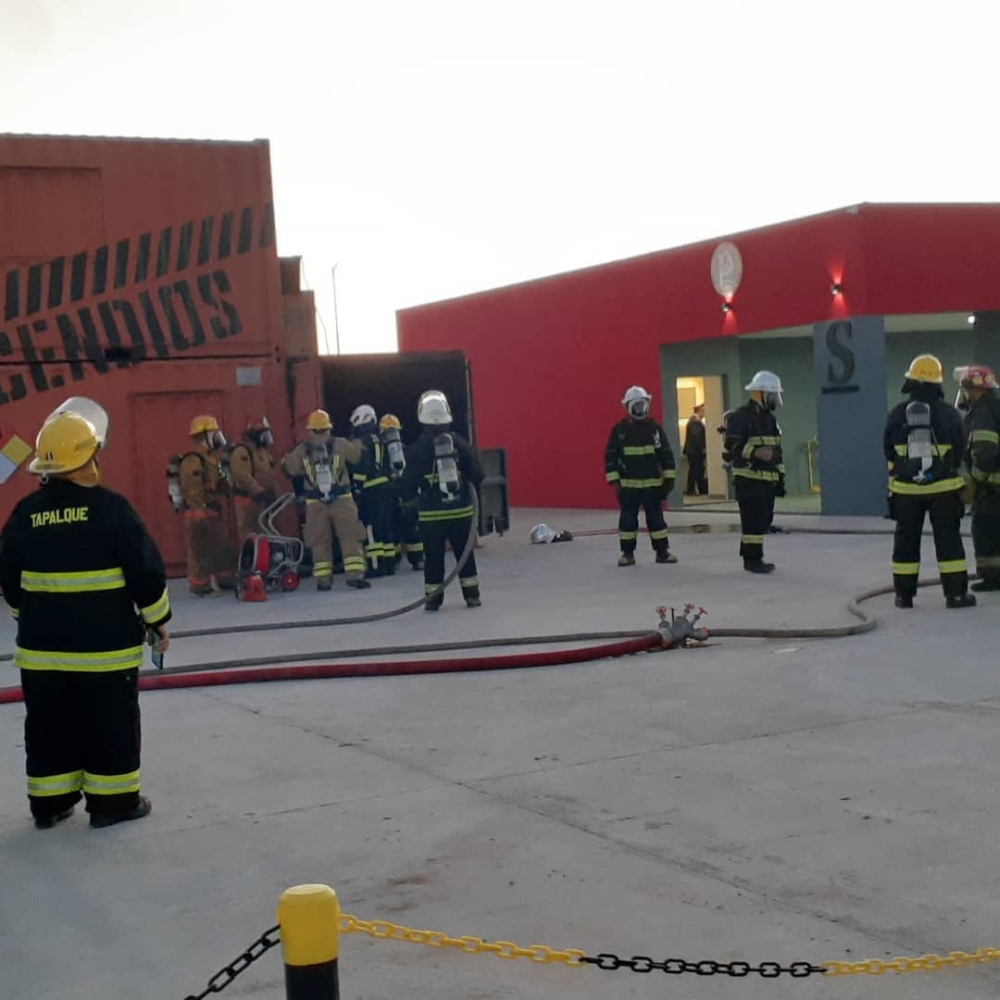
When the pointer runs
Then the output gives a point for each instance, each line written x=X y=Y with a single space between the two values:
x=336 y=320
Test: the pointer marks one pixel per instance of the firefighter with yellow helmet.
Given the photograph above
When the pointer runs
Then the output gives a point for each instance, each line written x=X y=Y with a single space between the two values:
x=86 y=583
x=318 y=468
x=204 y=492
x=405 y=530
x=923 y=443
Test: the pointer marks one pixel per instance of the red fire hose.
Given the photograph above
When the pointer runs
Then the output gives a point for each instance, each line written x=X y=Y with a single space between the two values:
x=319 y=671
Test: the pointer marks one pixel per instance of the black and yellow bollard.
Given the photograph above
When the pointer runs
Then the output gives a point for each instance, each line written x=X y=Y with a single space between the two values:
x=309 y=916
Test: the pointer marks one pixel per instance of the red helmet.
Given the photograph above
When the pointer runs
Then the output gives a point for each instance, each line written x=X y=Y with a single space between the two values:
x=978 y=377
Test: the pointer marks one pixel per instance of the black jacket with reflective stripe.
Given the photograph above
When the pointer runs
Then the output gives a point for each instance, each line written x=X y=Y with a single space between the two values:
x=982 y=428
x=638 y=455
x=78 y=568
x=748 y=428
x=949 y=438
x=421 y=480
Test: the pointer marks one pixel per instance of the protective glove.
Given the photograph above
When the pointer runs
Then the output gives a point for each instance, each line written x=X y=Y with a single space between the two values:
x=779 y=489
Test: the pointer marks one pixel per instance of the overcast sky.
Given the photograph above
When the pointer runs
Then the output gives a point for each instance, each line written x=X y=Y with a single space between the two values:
x=436 y=149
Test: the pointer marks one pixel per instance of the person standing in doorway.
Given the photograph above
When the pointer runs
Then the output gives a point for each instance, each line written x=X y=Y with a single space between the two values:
x=695 y=451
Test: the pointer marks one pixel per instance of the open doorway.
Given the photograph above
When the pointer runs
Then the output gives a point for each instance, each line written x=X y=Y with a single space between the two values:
x=707 y=392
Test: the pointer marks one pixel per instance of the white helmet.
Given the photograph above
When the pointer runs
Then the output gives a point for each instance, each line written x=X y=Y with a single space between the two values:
x=364 y=414
x=768 y=383
x=433 y=408
x=636 y=400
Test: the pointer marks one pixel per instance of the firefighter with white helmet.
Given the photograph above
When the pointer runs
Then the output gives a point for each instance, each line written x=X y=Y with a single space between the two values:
x=923 y=443
x=639 y=464
x=318 y=470
x=442 y=471
x=205 y=490
x=86 y=583
x=753 y=445
x=978 y=386
x=374 y=495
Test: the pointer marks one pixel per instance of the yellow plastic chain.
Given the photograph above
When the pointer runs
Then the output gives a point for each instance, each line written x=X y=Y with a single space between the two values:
x=470 y=945
x=926 y=963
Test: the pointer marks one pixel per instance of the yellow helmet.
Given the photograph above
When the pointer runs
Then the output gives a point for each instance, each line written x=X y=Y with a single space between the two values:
x=65 y=443
x=390 y=420
x=925 y=368
x=319 y=420
x=203 y=423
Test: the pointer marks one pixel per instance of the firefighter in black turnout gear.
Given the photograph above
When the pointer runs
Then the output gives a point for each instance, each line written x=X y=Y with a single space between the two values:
x=639 y=464
x=923 y=444
x=441 y=472
x=753 y=447
x=86 y=584
x=374 y=496
x=405 y=530
x=982 y=455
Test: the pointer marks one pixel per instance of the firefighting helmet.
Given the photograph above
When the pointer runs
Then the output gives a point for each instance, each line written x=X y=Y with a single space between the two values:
x=433 y=408
x=768 y=384
x=362 y=415
x=925 y=368
x=976 y=377
x=390 y=420
x=65 y=443
x=636 y=400
x=260 y=430
x=319 y=420
x=89 y=410
x=203 y=424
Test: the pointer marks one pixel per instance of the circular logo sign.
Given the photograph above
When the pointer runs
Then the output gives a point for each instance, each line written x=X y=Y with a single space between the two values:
x=726 y=269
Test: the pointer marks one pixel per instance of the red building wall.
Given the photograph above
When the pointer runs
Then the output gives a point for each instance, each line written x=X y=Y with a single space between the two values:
x=551 y=358
x=145 y=275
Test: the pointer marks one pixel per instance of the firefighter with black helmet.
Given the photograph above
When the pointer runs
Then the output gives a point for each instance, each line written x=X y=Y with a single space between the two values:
x=318 y=470
x=981 y=397
x=923 y=443
x=639 y=464
x=753 y=447
x=86 y=583
x=442 y=470
x=252 y=476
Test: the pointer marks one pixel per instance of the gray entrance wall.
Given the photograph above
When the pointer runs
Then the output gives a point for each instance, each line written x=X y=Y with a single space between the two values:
x=851 y=376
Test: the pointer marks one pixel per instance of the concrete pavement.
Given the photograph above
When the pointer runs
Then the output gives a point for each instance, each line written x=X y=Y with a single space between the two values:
x=792 y=800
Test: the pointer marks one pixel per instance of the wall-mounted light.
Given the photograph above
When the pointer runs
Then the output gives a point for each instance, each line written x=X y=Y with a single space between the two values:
x=835 y=288
x=970 y=319
x=726 y=307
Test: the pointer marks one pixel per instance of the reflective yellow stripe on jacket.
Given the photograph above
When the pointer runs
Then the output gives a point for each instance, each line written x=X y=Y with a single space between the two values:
x=73 y=583
x=445 y=515
x=984 y=437
x=638 y=449
x=939 y=450
x=923 y=489
x=157 y=610
x=766 y=476
x=96 y=663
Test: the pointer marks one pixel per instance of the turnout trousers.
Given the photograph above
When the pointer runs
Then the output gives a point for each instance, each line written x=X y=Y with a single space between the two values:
x=945 y=510
x=323 y=521
x=435 y=534
x=210 y=550
x=650 y=500
x=756 y=502
x=375 y=509
x=82 y=737
x=986 y=533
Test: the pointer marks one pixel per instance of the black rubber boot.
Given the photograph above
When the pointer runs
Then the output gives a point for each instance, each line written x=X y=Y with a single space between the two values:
x=324 y=583
x=47 y=822
x=758 y=566
x=361 y=584
x=666 y=557
x=626 y=559
x=904 y=601
x=141 y=811
x=961 y=601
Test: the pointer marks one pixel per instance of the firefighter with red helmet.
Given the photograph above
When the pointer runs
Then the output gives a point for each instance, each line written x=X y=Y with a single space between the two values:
x=639 y=464
x=86 y=584
x=982 y=455
x=923 y=442
x=318 y=470
x=204 y=490
x=252 y=474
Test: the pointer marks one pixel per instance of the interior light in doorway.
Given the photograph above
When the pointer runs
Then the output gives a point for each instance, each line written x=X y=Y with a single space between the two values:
x=970 y=319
